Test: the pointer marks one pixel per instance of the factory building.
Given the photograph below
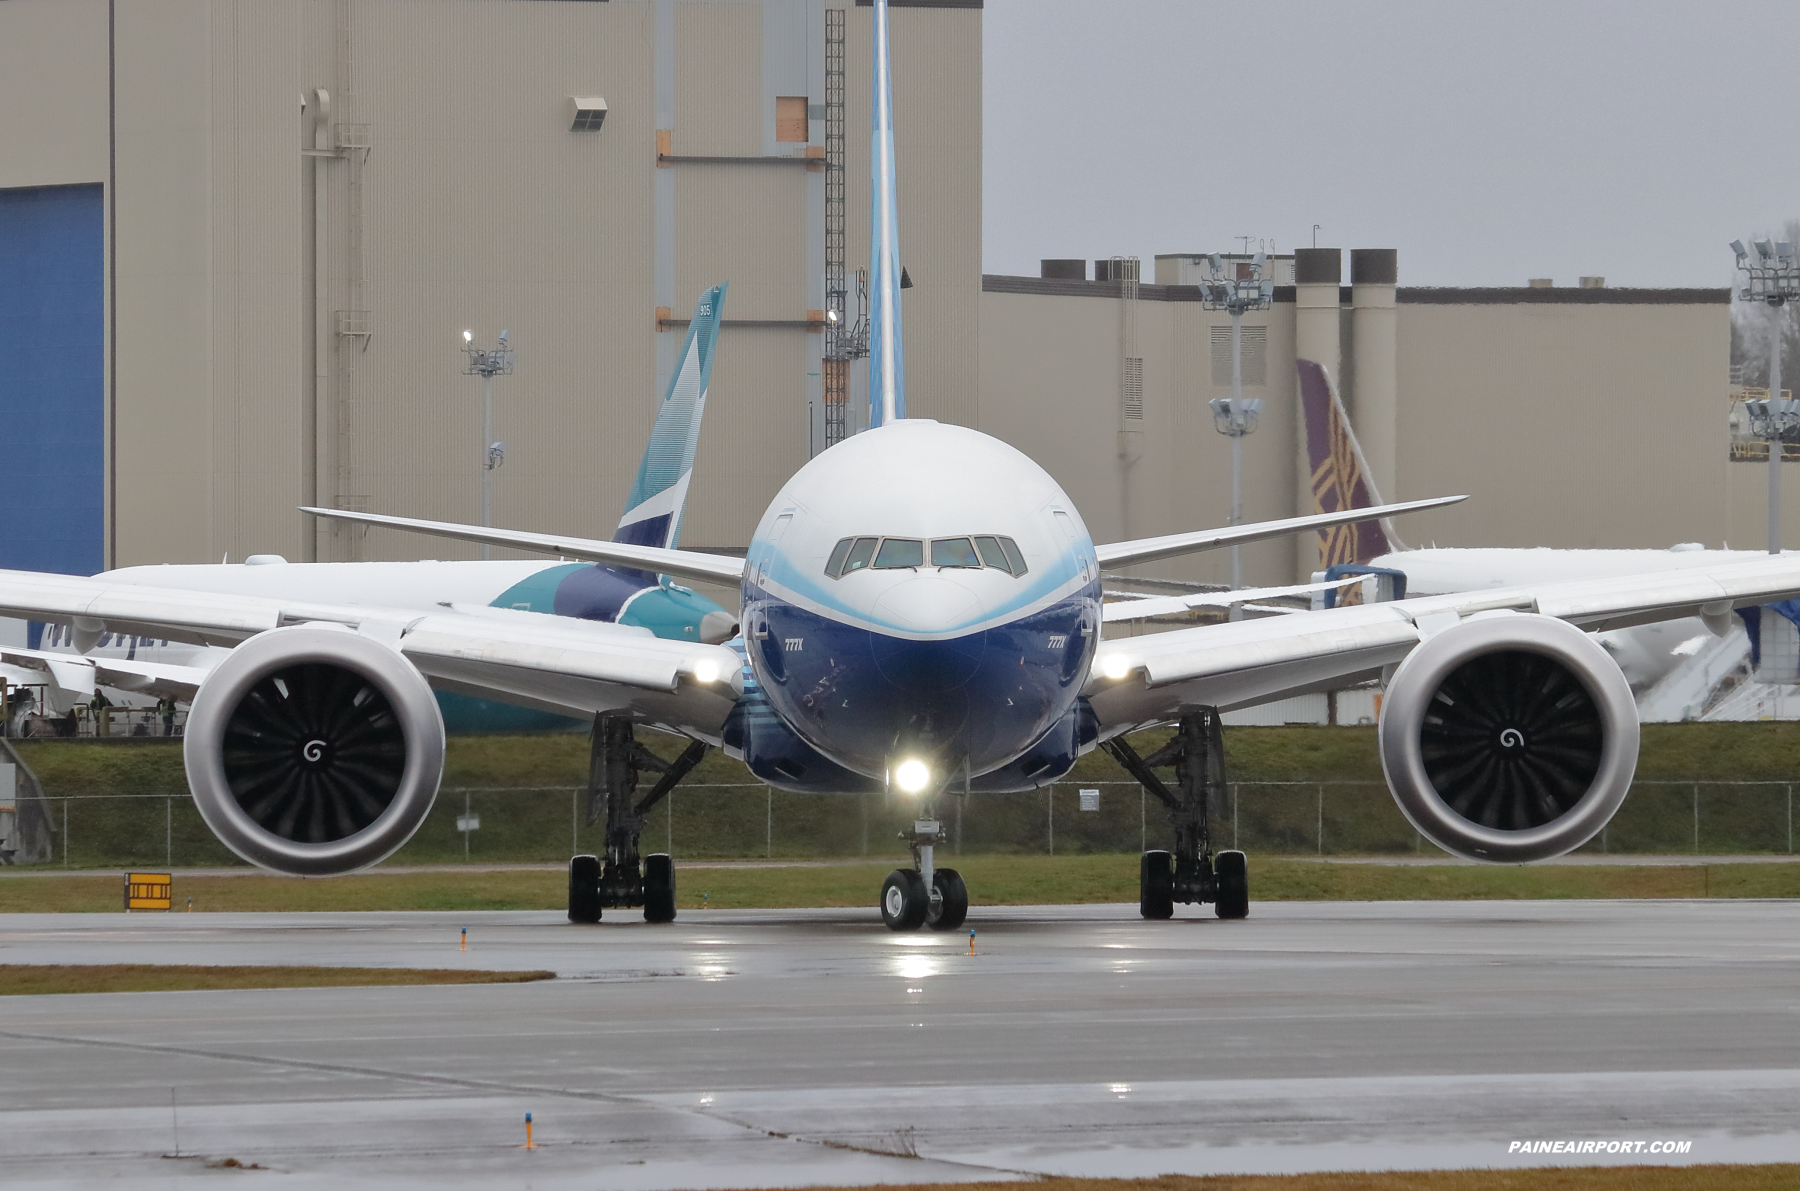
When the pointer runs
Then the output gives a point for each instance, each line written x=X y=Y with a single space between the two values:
x=240 y=241
x=1574 y=416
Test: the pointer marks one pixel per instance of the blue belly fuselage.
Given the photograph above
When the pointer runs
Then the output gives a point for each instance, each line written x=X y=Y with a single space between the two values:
x=968 y=704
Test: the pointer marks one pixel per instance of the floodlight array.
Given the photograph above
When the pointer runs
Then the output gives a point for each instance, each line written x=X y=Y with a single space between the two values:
x=1235 y=295
x=1771 y=271
x=1239 y=421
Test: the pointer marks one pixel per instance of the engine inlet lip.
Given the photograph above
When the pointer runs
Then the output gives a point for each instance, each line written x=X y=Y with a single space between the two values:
x=1409 y=697
x=406 y=691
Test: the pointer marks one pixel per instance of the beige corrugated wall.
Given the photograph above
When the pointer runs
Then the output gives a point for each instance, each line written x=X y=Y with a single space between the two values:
x=1570 y=424
x=53 y=92
x=1050 y=386
x=1575 y=425
x=937 y=149
x=479 y=209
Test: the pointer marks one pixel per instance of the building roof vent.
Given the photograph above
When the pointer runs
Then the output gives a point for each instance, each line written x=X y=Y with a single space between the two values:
x=587 y=115
x=1063 y=270
x=1541 y=283
x=1593 y=283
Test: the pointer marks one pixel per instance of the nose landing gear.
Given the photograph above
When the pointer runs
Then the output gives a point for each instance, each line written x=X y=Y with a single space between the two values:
x=924 y=895
x=1192 y=873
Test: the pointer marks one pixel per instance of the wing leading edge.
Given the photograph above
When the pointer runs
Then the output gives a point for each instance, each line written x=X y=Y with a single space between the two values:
x=1124 y=554
x=556 y=663
x=1143 y=680
x=683 y=564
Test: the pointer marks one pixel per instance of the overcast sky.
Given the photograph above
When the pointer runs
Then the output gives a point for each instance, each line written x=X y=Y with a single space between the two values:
x=1489 y=143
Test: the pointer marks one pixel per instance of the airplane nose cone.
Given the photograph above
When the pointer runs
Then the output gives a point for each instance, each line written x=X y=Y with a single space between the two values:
x=928 y=604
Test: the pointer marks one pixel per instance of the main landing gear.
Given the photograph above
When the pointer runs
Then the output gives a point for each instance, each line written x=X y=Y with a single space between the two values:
x=924 y=895
x=1193 y=873
x=621 y=877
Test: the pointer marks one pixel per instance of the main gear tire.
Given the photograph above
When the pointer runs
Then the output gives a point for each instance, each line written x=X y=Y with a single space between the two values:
x=1156 y=885
x=951 y=907
x=659 y=888
x=584 y=889
x=1231 y=877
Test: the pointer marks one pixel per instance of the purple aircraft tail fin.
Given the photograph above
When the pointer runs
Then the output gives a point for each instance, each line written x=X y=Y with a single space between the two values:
x=1340 y=476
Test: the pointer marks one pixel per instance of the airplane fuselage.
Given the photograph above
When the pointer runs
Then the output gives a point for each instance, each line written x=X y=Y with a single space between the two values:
x=919 y=592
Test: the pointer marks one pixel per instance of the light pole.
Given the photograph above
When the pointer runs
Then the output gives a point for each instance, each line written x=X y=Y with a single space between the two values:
x=1772 y=277
x=1246 y=288
x=487 y=364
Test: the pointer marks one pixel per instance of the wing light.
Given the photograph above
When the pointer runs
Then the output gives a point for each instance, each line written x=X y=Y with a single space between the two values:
x=1115 y=666
x=706 y=671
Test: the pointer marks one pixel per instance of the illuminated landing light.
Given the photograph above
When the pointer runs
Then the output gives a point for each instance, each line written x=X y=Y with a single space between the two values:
x=706 y=670
x=468 y=336
x=1115 y=666
x=912 y=776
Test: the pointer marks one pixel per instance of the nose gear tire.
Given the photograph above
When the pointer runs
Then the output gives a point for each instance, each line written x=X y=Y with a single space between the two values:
x=903 y=900
x=952 y=906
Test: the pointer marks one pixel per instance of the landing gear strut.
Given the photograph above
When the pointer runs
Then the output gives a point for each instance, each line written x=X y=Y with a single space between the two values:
x=1193 y=873
x=621 y=877
x=924 y=895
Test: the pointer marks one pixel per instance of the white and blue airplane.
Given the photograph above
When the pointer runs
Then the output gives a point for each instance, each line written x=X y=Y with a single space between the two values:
x=68 y=663
x=922 y=615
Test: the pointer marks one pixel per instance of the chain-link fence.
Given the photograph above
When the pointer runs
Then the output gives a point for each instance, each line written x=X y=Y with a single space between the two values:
x=549 y=823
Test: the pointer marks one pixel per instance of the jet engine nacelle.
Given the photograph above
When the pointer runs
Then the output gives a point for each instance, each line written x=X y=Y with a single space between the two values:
x=314 y=750
x=1509 y=738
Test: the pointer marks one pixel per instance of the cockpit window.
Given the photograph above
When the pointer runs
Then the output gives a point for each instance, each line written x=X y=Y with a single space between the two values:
x=835 y=564
x=1013 y=556
x=988 y=550
x=953 y=552
x=851 y=554
x=900 y=552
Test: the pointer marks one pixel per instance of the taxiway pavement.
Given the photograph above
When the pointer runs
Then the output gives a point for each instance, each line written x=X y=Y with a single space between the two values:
x=784 y=1048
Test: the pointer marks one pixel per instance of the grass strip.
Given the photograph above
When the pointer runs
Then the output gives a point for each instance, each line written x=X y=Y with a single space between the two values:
x=37 y=979
x=992 y=880
x=1778 y=1177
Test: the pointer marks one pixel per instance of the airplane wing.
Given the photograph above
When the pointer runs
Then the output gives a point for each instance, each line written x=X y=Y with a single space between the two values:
x=1143 y=680
x=558 y=663
x=683 y=564
x=1143 y=606
x=1124 y=554
x=81 y=675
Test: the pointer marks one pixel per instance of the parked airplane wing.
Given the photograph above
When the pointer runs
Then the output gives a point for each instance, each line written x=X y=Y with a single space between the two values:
x=1142 y=680
x=558 y=663
x=81 y=675
x=1124 y=554
x=1138 y=609
x=682 y=564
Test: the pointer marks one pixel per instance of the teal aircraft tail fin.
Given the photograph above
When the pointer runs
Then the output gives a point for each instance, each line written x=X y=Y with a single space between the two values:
x=653 y=511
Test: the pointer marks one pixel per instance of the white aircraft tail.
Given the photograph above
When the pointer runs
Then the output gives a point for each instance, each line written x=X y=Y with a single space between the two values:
x=887 y=354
